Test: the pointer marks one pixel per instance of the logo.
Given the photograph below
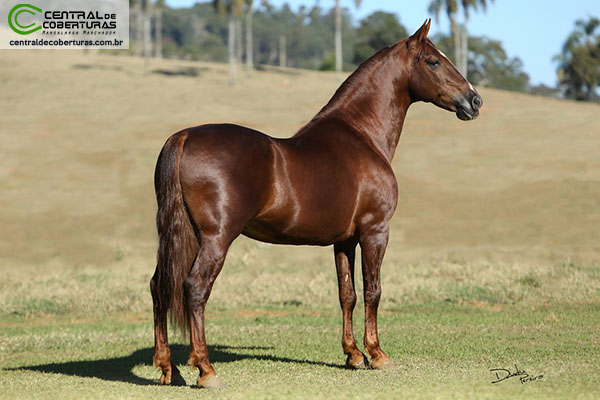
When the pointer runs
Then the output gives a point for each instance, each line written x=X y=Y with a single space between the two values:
x=45 y=24
x=13 y=19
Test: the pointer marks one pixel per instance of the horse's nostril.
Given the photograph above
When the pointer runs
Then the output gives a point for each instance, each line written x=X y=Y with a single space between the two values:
x=477 y=102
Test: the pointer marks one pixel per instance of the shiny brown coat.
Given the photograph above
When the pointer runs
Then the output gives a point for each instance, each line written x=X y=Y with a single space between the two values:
x=329 y=184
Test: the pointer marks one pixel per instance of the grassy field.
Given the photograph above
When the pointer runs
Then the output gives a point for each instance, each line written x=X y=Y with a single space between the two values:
x=494 y=256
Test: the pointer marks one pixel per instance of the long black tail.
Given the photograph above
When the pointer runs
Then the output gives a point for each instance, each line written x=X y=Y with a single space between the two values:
x=177 y=242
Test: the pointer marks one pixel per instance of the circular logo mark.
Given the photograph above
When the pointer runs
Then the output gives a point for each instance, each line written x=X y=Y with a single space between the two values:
x=13 y=19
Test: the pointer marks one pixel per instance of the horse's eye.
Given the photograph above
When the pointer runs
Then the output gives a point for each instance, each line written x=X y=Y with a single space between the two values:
x=433 y=62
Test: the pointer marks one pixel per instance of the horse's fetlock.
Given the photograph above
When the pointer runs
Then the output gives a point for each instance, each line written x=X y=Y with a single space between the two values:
x=194 y=359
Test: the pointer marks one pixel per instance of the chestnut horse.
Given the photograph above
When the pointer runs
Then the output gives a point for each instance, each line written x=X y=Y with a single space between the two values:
x=329 y=184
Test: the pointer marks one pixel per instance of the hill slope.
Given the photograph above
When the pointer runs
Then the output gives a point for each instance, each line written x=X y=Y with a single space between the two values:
x=81 y=134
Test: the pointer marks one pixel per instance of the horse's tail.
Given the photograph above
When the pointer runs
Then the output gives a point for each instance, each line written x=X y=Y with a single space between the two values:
x=177 y=242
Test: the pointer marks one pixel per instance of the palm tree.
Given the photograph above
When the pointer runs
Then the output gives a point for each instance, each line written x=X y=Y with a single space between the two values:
x=249 y=38
x=338 y=36
x=159 y=6
x=147 y=12
x=239 y=46
x=282 y=51
x=459 y=34
x=138 y=25
x=233 y=8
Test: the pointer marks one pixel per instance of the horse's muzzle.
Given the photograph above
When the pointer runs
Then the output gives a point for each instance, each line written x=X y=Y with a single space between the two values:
x=467 y=108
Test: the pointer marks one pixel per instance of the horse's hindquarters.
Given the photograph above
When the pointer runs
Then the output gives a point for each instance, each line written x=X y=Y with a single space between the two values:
x=225 y=174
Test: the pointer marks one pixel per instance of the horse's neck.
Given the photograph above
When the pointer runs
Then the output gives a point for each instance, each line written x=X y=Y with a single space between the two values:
x=373 y=101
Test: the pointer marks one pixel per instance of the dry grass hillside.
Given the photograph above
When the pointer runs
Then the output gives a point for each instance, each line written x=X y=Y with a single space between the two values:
x=80 y=135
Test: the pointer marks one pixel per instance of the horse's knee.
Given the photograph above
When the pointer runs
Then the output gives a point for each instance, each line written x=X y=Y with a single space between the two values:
x=373 y=295
x=198 y=284
x=196 y=291
x=190 y=287
x=348 y=300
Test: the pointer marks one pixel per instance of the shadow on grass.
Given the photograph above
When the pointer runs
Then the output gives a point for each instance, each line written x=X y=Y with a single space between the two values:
x=183 y=71
x=178 y=71
x=120 y=368
x=277 y=70
x=98 y=66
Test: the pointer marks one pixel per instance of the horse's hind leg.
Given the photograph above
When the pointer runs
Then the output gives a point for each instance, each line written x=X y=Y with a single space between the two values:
x=162 y=353
x=344 y=262
x=198 y=286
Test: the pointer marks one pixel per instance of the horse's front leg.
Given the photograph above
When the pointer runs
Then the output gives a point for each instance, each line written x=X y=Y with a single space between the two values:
x=373 y=244
x=344 y=263
x=162 y=353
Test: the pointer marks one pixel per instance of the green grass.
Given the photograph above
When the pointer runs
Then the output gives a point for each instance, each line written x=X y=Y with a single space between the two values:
x=440 y=350
x=274 y=331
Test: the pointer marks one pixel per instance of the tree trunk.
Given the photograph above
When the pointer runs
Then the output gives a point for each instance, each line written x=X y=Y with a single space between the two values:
x=138 y=30
x=249 y=40
x=464 y=50
x=457 y=43
x=158 y=33
x=282 y=52
x=338 y=39
x=272 y=53
x=238 y=40
x=231 y=50
x=147 y=41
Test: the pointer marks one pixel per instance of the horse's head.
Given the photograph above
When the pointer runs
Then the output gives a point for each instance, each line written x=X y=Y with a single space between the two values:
x=436 y=80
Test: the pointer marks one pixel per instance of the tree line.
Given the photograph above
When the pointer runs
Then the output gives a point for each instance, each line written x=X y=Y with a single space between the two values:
x=241 y=31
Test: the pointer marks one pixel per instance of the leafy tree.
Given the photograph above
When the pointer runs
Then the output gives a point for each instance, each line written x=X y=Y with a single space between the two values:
x=459 y=34
x=376 y=31
x=199 y=33
x=271 y=24
x=195 y=33
x=308 y=34
x=579 y=63
x=489 y=65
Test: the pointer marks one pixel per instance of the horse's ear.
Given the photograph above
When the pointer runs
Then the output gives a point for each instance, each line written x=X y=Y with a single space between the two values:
x=419 y=35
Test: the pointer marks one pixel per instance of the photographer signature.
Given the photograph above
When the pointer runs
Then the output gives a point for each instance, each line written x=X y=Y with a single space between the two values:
x=503 y=374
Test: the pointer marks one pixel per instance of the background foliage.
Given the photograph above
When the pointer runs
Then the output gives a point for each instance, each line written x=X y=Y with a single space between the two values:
x=200 y=33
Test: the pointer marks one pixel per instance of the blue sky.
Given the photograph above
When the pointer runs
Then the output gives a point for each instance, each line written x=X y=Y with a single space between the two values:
x=533 y=30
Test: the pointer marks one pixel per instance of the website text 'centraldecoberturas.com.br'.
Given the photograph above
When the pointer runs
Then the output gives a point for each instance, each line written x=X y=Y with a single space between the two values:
x=60 y=42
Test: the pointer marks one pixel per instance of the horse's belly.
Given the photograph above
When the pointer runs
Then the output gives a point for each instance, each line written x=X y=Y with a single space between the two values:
x=320 y=233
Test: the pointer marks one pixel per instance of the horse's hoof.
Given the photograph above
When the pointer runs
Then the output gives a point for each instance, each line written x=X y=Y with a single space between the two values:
x=177 y=380
x=385 y=363
x=165 y=379
x=172 y=377
x=359 y=365
x=357 y=362
x=211 y=382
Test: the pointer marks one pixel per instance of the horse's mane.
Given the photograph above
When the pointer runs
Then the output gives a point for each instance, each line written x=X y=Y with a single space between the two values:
x=355 y=81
